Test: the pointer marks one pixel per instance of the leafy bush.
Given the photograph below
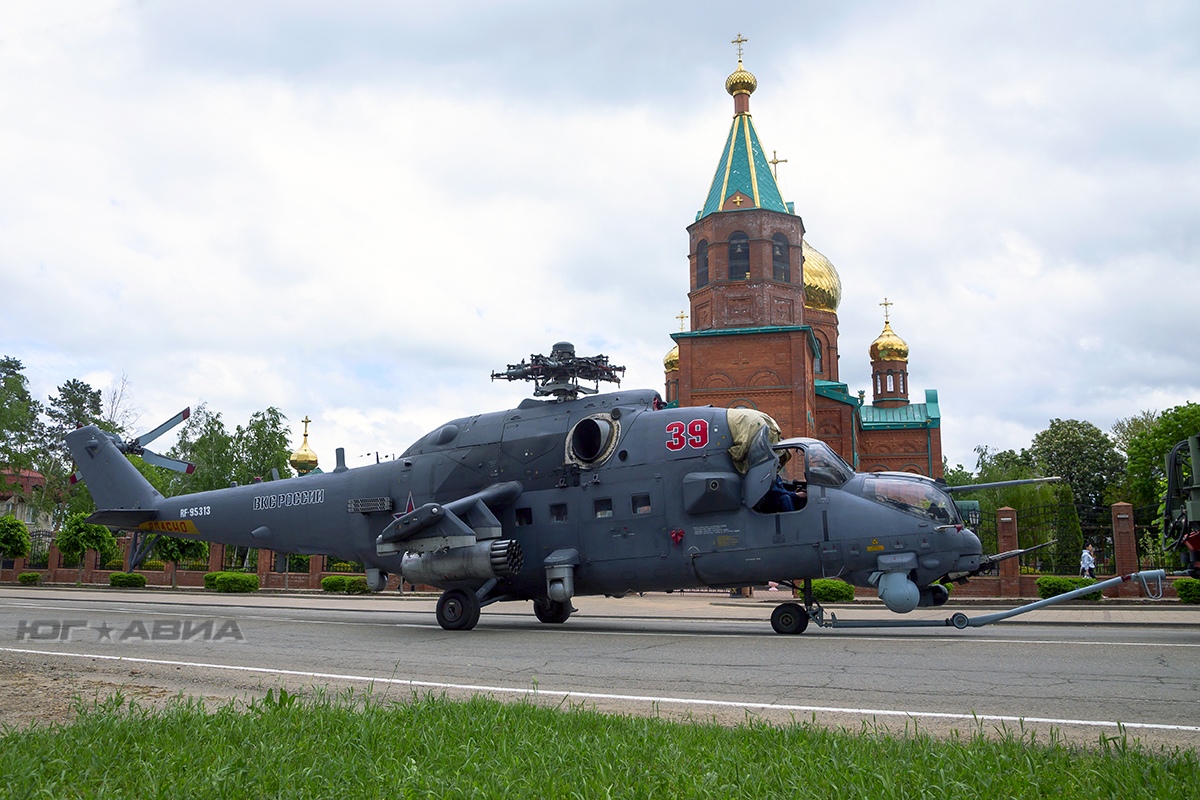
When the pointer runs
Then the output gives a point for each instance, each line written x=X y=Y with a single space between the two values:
x=1054 y=585
x=210 y=580
x=117 y=563
x=335 y=583
x=153 y=565
x=1188 y=590
x=356 y=585
x=343 y=566
x=127 y=579
x=236 y=582
x=14 y=537
x=30 y=578
x=828 y=590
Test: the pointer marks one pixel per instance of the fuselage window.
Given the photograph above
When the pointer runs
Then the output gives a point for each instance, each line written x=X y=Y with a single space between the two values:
x=702 y=264
x=739 y=256
x=603 y=506
x=558 y=512
x=779 y=258
x=524 y=516
x=641 y=504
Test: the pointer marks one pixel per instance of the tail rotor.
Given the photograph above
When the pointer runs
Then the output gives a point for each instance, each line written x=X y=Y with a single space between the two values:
x=137 y=447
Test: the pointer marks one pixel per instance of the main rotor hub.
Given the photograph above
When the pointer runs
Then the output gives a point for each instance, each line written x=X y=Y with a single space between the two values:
x=560 y=375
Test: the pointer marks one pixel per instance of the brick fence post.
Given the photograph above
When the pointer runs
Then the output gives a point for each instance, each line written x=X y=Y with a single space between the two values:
x=1006 y=539
x=315 y=564
x=1125 y=548
x=264 y=567
x=216 y=557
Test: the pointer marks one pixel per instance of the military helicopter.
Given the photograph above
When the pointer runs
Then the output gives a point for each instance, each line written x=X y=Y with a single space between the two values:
x=577 y=492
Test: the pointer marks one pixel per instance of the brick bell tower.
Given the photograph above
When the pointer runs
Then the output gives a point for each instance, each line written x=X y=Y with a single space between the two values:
x=749 y=345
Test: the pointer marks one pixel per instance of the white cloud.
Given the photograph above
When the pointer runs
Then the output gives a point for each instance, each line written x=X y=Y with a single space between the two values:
x=358 y=214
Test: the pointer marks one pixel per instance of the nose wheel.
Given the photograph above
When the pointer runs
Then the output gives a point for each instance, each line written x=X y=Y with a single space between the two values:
x=458 y=610
x=789 y=618
x=550 y=611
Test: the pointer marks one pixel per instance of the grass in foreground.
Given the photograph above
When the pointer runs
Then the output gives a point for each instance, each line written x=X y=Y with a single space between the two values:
x=284 y=745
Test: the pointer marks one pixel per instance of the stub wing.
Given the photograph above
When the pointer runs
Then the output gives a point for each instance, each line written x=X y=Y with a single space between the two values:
x=459 y=523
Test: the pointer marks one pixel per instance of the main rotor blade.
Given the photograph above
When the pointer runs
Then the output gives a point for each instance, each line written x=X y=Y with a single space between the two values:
x=147 y=438
x=168 y=463
x=996 y=485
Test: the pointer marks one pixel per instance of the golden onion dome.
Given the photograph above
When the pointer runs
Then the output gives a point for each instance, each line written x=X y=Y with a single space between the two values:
x=822 y=284
x=741 y=81
x=671 y=361
x=304 y=460
x=888 y=346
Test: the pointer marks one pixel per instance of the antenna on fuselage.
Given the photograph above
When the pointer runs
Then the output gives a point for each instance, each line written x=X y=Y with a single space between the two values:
x=559 y=374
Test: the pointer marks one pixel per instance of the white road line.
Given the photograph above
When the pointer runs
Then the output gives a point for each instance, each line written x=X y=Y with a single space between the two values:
x=575 y=695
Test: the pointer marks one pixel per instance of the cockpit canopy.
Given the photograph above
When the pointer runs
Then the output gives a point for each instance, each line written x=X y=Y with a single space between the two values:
x=813 y=462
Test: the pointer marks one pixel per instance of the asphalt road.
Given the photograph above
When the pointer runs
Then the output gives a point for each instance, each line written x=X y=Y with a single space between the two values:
x=1088 y=672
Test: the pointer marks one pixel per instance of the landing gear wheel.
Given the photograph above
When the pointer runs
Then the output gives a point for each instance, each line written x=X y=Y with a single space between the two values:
x=551 y=611
x=458 y=610
x=789 y=618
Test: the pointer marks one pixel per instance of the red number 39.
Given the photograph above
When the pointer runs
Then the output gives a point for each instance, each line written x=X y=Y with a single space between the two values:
x=693 y=434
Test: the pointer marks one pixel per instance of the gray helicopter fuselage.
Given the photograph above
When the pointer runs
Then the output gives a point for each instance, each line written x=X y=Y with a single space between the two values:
x=610 y=490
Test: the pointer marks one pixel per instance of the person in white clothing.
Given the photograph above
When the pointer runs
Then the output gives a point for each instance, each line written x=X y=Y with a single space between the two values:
x=1087 y=562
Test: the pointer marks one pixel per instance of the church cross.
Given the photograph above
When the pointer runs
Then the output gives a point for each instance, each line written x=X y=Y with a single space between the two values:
x=681 y=317
x=885 y=305
x=306 y=420
x=737 y=200
x=774 y=162
x=739 y=41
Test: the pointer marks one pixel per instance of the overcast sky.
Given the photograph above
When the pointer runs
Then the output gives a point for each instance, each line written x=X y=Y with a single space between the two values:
x=357 y=211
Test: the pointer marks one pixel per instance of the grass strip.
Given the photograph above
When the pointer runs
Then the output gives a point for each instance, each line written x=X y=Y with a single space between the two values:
x=286 y=745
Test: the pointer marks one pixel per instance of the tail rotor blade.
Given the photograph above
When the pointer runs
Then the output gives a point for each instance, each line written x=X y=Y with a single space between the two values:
x=168 y=463
x=147 y=438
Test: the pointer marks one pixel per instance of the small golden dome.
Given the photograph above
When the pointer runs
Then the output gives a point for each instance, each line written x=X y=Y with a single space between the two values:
x=671 y=361
x=822 y=284
x=888 y=346
x=741 y=81
x=304 y=460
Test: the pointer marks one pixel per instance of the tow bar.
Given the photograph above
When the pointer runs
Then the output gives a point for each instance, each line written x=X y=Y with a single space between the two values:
x=1149 y=578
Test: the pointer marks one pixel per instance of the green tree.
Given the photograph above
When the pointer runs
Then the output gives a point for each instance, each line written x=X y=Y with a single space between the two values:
x=77 y=537
x=174 y=550
x=1082 y=455
x=76 y=404
x=205 y=442
x=1124 y=429
x=1148 y=450
x=261 y=446
x=956 y=475
x=1069 y=536
x=20 y=426
x=14 y=537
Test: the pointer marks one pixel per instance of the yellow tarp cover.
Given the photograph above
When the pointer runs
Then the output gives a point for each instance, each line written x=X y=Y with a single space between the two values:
x=744 y=425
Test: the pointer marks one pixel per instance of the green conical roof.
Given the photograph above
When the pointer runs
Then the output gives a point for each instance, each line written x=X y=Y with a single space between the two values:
x=743 y=169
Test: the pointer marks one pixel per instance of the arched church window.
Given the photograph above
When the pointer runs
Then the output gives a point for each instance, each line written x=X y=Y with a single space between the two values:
x=891 y=383
x=817 y=360
x=782 y=268
x=702 y=264
x=878 y=384
x=739 y=256
x=901 y=381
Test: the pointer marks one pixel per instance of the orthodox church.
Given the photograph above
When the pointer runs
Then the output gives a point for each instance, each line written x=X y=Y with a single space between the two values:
x=764 y=324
